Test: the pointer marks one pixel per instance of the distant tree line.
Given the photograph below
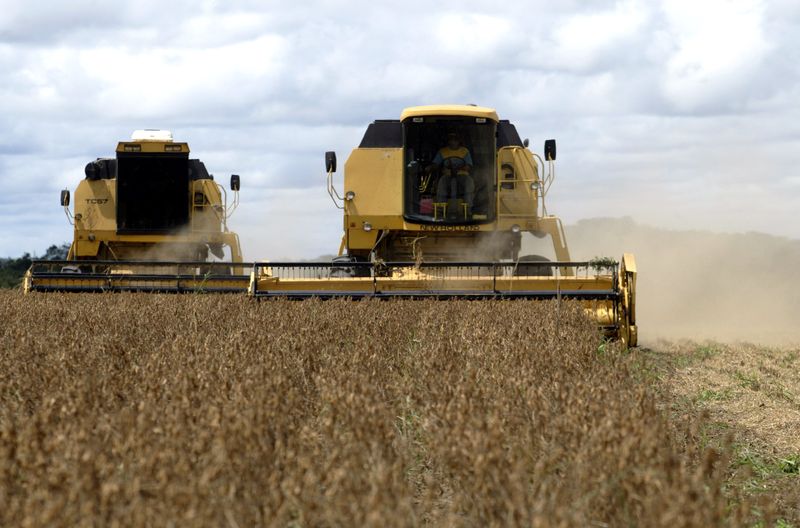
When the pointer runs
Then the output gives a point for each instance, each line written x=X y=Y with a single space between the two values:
x=12 y=269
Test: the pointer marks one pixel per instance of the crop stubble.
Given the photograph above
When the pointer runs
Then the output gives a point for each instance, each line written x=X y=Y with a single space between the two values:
x=148 y=409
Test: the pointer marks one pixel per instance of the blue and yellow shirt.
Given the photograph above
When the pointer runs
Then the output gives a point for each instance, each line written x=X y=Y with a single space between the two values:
x=447 y=152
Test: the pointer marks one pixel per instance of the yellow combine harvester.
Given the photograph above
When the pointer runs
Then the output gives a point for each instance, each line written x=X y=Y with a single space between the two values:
x=435 y=205
x=149 y=219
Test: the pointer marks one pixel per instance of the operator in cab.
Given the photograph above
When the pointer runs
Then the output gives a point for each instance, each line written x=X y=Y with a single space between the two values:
x=454 y=153
x=455 y=187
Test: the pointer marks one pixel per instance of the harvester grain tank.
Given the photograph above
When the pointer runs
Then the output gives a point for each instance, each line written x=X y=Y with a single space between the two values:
x=149 y=219
x=435 y=204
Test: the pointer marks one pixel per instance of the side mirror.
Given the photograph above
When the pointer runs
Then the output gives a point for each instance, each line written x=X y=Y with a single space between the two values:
x=235 y=182
x=550 y=150
x=65 y=198
x=525 y=142
x=330 y=161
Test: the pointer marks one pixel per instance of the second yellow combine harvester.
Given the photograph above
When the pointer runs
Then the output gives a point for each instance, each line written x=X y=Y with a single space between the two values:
x=435 y=205
x=149 y=219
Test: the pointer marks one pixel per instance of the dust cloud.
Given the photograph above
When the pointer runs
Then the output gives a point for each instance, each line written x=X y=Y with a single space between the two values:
x=698 y=284
x=167 y=252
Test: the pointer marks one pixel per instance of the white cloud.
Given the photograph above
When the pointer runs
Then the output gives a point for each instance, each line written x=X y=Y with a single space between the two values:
x=675 y=113
x=164 y=82
x=719 y=47
x=584 y=39
x=466 y=37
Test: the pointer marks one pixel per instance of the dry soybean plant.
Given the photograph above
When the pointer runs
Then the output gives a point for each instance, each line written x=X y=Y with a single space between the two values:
x=123 y=409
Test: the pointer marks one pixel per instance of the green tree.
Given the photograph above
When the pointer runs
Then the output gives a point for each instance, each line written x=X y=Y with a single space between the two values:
x=12 y=269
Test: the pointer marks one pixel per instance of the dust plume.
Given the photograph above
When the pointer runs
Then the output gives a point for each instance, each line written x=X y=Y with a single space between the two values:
x=699 y=284
x=171 y=251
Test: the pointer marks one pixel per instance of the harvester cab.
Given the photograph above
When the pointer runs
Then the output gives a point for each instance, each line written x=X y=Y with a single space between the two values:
x=446 y=183
x=150 y=218
x=435 y=205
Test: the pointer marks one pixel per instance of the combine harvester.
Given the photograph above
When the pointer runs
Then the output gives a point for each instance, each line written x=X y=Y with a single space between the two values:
x=435 y=205
x=150 y=219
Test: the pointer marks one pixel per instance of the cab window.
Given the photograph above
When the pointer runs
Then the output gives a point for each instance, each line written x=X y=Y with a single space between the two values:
x=449 y=170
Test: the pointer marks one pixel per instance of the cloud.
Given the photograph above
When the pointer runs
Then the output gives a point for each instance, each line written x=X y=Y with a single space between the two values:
x=585 y=41
x=673 y=112
x=719 y=49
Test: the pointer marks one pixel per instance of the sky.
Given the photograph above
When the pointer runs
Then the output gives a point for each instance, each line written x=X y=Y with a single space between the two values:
x=680 y=114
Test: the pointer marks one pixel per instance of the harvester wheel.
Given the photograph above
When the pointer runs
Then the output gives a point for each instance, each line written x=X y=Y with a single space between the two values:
x=533 y=270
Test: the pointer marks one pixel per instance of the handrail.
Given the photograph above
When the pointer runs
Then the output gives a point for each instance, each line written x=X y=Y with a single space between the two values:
x=222 y=217
x=144 y=263
x=544 y=182
x=436 y=264
x=521 y=160
x=610 y=264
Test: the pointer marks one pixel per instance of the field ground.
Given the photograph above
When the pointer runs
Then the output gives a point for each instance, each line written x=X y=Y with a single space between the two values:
x=749 y=398
x=197 y=410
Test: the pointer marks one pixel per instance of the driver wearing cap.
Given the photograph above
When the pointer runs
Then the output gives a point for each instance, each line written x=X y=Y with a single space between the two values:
x=454 y=149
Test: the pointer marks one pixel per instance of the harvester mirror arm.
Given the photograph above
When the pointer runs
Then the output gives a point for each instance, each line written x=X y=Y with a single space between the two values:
x=236 y=184
x=65 y=205
x=330 y=168
x=550 y=156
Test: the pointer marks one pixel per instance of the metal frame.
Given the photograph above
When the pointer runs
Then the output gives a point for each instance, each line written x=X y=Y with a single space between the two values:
x=454 y=271
x=110 y=275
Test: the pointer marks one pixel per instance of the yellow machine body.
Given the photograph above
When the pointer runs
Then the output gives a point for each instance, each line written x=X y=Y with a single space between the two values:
x=98 y=236
x=377 y=178
x=151 y=202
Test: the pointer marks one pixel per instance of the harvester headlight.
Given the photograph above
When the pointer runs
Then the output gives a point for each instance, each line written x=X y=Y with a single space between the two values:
x=367 y=226
x=515 y=228
x=349 y=195
x=535 y=186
